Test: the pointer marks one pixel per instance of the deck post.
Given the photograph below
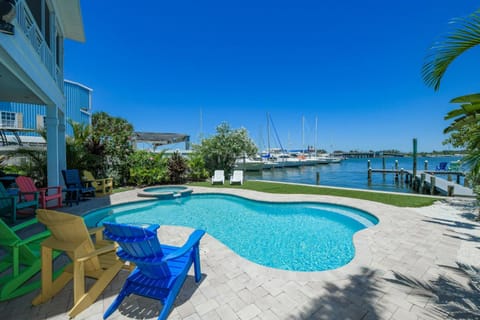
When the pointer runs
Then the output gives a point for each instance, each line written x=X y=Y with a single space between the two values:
x=458 y=179
x=383 y=167
x=449 y=177
x=415 y=157
x=369 y=171
x=465 y=183
x=422 y=182
x=450 y=190
x=425 y=165
x=432 y=185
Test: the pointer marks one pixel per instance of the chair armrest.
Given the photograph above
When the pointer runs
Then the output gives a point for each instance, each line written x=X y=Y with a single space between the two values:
x=24 y=224
x=97 y=231
x=53 y=187
x=97 y=252
x=12 y=197
x=35 y=237
x=46 y=189
x=36 y=194
x=193 y=240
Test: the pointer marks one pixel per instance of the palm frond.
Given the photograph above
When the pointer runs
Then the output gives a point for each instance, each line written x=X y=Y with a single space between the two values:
x=465 y=36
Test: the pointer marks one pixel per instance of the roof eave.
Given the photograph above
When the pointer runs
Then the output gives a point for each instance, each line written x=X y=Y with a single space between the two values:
x=69 y=15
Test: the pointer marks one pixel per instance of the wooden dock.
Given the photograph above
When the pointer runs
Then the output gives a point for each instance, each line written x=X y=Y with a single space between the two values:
x=430 y=182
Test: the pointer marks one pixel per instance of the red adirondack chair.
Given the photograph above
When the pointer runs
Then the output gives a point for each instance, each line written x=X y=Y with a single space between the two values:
x=26 y=184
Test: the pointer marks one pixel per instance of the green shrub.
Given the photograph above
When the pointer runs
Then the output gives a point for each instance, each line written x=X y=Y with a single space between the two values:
x=147 y=168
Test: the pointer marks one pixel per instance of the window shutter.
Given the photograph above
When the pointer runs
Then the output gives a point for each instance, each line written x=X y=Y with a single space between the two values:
x=40 y=123
x=19 y=120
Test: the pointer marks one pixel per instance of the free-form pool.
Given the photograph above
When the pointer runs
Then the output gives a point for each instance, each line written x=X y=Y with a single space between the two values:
x=304 y=236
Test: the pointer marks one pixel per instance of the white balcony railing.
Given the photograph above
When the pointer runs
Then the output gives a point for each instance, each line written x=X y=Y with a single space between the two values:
x=34 y=35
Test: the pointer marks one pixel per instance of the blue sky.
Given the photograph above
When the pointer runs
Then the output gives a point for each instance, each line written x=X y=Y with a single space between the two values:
x=187 y=66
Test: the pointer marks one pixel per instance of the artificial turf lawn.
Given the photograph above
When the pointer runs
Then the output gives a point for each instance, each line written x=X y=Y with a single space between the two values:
x=398 y=200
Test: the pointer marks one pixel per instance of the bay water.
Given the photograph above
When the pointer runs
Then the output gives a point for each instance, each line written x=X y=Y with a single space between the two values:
x=352 y=173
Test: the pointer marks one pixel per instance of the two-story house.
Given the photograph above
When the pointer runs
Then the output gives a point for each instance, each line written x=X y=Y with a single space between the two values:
x=31 y=65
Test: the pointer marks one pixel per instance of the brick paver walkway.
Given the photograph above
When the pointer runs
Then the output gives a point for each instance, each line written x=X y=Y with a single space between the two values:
x=413 y=246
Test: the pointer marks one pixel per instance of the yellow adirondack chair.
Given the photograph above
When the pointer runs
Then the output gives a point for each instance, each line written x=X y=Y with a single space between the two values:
x=104 y=185
x=94 y=260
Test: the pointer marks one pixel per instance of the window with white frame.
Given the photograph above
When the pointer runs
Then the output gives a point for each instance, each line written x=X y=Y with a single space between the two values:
x=9 y=120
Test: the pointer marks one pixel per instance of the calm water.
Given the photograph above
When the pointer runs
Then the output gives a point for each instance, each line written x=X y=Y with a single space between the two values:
x=291 y=236
x=350 y=173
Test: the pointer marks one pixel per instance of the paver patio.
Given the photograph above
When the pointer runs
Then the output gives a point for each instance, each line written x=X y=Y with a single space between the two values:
x=408 y=246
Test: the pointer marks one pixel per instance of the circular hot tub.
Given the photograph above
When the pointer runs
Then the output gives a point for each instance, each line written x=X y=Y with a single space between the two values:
x=165 y=192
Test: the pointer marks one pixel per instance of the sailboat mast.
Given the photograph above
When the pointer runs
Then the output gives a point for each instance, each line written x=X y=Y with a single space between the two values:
x=268 y=134
x=303 y=134
x=316 y=128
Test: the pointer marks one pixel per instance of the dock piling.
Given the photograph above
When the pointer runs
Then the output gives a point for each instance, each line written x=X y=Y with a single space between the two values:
x=422 y=182
x=318 y=178
x=369 y=171
x=450 y=190
x=432 y=185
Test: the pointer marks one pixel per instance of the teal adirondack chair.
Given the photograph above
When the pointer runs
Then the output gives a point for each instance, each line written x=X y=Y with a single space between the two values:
x=11 y=204
x=21 y=260
x=160 y=270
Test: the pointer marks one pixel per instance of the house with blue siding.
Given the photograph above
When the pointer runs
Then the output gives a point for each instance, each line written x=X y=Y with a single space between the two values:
x=27 y=118
x=32 y=35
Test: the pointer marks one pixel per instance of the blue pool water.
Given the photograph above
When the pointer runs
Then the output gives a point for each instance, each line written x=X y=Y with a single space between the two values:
x=289 y=236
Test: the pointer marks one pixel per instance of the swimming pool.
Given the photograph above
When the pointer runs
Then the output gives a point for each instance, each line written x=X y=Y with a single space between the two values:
x=165 y=192
x=304 y=236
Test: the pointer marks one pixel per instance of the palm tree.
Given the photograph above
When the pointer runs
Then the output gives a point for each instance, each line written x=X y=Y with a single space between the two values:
x=465 y=129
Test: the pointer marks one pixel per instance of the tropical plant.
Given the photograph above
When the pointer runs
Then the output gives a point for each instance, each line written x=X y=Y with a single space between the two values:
x=221 y=150
x=111 y=140
x=464 y=130
x=147 y=168
x=33 y=163
x=78 y=153
x=464 y=36
x=177 y=168
x=196 y=166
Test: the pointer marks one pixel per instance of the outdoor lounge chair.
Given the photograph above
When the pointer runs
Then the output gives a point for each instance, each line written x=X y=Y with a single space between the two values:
x=160 y=270
x=75 y=187
x=218 y=177
x=104 y=185
x=11 y=204
x=442 y=166
x=237 y=177
x=93 y=260
x=21 y=260
x=27 y=188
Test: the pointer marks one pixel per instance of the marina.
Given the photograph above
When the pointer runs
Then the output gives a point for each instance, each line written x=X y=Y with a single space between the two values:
x=353 y=173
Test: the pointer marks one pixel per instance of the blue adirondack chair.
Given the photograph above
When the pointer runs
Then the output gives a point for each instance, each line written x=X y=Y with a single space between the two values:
x=76 y=189
x=160 y=270
x=442 y=166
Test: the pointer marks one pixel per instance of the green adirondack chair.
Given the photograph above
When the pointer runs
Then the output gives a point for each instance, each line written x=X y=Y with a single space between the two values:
x=11 y=204
x=20 y=260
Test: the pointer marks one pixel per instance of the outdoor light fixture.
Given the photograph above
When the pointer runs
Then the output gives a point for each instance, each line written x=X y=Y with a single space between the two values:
x=7 y=14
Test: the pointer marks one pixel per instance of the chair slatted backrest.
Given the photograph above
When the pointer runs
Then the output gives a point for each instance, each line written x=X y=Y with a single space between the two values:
x=238 y=175
x=26 y=184
x=140 y=245
x=70 y=229
x=72 y=177
x=9 y=238
x=219 y=174
x=5 y=199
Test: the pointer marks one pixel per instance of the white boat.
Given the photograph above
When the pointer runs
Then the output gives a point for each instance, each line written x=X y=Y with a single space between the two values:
x=249 y=164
